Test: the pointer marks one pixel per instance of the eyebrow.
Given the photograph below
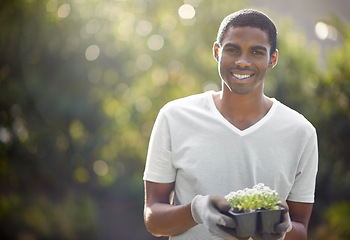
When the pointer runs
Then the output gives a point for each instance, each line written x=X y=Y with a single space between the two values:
x=258 y=47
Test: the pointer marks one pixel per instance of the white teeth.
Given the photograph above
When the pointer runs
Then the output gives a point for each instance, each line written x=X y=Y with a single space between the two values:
x=241 y=76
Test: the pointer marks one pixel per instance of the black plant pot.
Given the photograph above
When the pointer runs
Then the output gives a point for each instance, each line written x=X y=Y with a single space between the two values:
x=246 y=223
x=261 y=221
x=268 y=219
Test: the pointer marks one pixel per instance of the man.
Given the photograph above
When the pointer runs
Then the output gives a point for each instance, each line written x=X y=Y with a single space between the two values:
x=204 y=146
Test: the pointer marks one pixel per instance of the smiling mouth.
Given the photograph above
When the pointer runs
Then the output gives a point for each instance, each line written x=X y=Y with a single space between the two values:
x=242 y=76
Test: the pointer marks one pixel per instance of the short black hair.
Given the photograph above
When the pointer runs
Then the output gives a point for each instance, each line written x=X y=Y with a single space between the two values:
x=249 y=18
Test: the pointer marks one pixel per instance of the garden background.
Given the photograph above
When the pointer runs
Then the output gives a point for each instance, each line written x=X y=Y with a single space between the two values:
x=81 y=83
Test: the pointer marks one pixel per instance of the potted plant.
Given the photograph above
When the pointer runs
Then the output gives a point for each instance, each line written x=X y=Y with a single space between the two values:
x=255 y=210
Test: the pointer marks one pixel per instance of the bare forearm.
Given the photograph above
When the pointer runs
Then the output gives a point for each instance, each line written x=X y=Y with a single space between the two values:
x=299 y=231
x=167 y=220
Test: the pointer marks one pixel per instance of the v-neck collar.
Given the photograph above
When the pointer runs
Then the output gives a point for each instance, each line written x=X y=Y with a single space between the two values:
x=248 y=130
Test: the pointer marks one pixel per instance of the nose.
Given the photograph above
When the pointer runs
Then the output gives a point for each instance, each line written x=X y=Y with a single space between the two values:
x=242 y=62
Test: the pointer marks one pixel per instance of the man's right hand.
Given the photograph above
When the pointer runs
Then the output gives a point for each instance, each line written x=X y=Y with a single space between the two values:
x=210 y=211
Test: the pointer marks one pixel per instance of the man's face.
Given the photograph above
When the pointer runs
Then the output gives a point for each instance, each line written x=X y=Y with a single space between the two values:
x=244 y=59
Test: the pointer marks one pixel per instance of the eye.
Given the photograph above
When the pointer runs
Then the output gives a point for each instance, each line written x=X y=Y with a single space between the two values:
x=232 y=50
x=257 y=52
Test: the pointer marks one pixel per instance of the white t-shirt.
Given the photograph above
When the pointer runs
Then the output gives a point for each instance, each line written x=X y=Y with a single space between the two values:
x=193 y=145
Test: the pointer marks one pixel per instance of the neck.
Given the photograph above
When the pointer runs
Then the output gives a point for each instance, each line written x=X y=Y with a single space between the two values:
x=242 y=110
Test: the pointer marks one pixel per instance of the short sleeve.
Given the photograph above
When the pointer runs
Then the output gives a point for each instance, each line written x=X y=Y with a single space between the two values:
x=303 y=189
x=159 y=167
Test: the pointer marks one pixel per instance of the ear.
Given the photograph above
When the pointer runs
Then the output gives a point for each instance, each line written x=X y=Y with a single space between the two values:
x=216 y=51
x=273 y=59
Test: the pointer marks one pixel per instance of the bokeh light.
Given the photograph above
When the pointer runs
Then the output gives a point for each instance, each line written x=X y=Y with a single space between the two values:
x=160 y=77
x=143 y=28
x=143 y=104
x=5 y=135
x=325 y=31
x=144 y=62
x=82 y=175
x=92 y=52
x=76 y=130
x=187 y=11
x=168 y=22
x=100 y=168
x=155 y=42
x=92 y=26
x=63 y=10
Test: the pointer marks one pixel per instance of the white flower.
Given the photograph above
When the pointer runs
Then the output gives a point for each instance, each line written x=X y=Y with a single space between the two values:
x=249 y=199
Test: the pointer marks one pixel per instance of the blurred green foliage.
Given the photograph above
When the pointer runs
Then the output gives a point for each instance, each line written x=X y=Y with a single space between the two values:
x=81 y=83
x=338 y=222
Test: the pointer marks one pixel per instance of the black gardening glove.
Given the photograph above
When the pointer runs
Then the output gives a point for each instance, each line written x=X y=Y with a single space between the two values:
x=281 y=229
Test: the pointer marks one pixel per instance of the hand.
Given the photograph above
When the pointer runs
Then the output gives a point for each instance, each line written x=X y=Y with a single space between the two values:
x=282 y=228
x=209 y=211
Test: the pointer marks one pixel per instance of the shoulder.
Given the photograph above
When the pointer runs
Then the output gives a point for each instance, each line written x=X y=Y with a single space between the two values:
x=189 y=103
